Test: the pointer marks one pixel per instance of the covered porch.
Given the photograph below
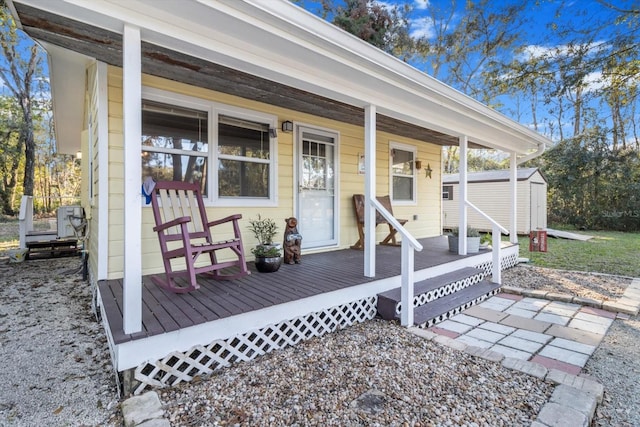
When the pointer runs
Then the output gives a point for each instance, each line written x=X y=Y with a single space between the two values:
x=185 y=335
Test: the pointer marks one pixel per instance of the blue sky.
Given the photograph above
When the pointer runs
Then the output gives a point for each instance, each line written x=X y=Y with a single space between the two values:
x=537 y=37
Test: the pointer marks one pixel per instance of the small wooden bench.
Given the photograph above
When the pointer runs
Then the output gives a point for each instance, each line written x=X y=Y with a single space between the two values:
x=358 y=208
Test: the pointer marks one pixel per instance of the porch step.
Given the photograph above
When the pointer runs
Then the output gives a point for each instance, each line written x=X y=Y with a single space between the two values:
x=450 y=305
x=429 y=290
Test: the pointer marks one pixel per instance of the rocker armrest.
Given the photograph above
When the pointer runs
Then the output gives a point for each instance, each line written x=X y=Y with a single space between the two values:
x=225 y=219
x=172 y=223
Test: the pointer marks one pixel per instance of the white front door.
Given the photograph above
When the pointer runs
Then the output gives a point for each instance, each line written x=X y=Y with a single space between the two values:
x=316 y=182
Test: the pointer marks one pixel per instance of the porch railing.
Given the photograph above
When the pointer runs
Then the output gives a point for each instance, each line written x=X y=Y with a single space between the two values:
x=496 y=237
x=409 y=244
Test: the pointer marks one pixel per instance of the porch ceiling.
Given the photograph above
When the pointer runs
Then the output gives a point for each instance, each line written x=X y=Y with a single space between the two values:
x=275 y=52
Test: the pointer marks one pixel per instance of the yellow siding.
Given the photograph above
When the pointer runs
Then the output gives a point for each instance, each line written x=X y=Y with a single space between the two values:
x=350 y=144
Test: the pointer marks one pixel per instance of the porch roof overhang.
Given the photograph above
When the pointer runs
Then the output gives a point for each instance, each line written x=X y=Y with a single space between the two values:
x=267 y=50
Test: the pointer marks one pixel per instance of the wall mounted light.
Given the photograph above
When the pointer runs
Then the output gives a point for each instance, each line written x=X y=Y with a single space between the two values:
x=79 y=155
x=287 y=126
x=418 y=164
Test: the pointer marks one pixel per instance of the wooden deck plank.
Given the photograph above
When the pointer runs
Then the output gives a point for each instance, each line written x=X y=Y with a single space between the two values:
x=164 y=311
x=166 y=318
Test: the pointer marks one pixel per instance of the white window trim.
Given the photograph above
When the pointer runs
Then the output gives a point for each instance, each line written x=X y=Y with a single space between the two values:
x=412 y=149
x=254 y=116
x=214 y=109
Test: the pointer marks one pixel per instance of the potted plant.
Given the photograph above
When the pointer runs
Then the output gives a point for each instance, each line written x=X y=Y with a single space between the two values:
x=268 y=256
x=473 y=240
x=485 y=241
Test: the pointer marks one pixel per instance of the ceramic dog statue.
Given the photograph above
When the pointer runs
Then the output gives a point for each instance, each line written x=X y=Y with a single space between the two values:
x=292 y=241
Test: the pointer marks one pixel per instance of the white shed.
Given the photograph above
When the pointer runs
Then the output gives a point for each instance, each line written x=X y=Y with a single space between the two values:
x=490 y=192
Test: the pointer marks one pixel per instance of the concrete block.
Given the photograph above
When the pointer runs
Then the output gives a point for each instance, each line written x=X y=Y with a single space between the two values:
x=512 y=290
x=588 y=302
x=553 y=414
x=573 y=334
x=474 y=342
x=529 y=368
x=535 y=293
x=620 y=308
x=423 y=333
x=564 y=355
x=450 y=342
x=496 y=327
x=156 y=422
x=555 y=296
x=585 y=384
x=521 y=344
x=573 y=398
x=511 y=352
x=484 y=353
x=485 y=335
x=524 y=323
x=484 y=313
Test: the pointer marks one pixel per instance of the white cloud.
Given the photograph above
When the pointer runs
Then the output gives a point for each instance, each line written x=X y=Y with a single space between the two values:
x=538 y=51
x=422 y=27
x=421 y=4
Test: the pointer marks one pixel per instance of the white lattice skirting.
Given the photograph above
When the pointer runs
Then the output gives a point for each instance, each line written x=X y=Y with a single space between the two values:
x=443 y=291
x=202 y=360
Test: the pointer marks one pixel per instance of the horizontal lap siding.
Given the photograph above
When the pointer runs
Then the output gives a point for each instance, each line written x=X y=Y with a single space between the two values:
x=351 y=143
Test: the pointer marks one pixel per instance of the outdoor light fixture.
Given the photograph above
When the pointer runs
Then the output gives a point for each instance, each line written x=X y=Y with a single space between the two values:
x=287 y=126
x=273 y=132
x=418 y=164
x=79 y=155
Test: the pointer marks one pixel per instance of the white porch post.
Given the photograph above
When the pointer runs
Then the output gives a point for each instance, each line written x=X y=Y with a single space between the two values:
x=369 y=190
x=132 y=129
x=513 y=181
x=462 y=225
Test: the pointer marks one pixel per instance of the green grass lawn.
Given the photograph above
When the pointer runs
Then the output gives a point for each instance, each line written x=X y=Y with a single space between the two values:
x=608 y=252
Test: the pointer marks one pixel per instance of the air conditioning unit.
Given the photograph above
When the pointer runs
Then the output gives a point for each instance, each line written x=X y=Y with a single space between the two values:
x=67 y=218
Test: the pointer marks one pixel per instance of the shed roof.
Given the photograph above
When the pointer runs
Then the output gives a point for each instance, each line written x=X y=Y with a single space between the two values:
x=268 y=50
x=523 y=174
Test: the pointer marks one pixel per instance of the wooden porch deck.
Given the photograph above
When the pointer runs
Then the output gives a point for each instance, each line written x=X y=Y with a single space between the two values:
x=319 y=273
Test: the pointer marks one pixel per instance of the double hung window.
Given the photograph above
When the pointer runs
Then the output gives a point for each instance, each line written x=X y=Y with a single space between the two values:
x=228 y=151
x=403 y=179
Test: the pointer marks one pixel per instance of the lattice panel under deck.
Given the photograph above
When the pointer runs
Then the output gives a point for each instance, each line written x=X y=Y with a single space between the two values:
x=458 y=310
x=442 y=291
x=506 y=262
x=202 y=360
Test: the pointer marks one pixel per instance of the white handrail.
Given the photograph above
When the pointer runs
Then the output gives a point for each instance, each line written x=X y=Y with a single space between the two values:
x=408 y=245
x=395 y=224
x=487 y=217
x=496 y=241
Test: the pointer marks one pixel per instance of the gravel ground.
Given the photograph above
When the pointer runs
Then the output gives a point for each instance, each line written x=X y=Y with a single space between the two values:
x=57 y=371
x=372 y=374
x=55 y=368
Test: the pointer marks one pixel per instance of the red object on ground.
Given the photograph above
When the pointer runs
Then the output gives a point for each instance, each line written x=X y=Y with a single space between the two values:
x=538 y=241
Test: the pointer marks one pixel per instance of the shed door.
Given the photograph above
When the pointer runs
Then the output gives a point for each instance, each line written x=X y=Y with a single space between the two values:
x=538 y=206
x=317 y=201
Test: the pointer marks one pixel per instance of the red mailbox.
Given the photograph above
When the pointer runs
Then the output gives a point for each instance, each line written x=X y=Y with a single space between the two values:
x=538 y=241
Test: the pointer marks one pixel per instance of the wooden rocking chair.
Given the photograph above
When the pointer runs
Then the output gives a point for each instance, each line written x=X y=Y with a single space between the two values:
x=358 y=209
x=184 y=232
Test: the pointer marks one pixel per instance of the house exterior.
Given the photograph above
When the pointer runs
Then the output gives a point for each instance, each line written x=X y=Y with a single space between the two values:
x=274 y=112
x=490 y=191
